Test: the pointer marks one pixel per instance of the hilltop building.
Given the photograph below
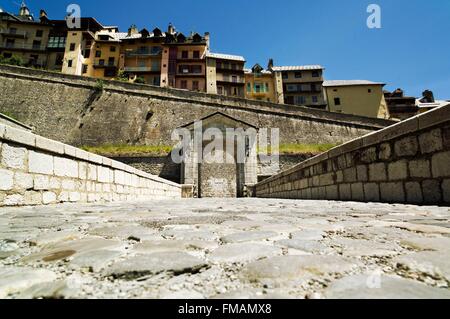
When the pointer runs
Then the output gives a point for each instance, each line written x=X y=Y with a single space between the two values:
x=357 y=97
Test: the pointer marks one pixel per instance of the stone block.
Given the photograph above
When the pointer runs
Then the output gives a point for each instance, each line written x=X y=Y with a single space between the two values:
x=345 y=192
x=377 y=172
x=94 y=158
x=371 y=192
x=82 y=170
x=82 y=154
x=431 y=141
x=419 y=168
x=63 y=197
x=55 y=183
x=103 y=174
x=74 y=197
x=2 y=130
x=385 y=152
x=92 y=172
x=20 y=136
x=434 y=117
x=407 y=146
x=398 y=170
x=6 y=180
x=446 y=137
x=369 y=155
x=413 y=193
x=40 y=163
x=49 y=145
x=357 y=192
x=41 y=182
x=431 y=191
x=394 y=131
x=13 y=157
x=48 y=198
x=65 y=167
x=441 y=164
x=13 y=200
x=23 y=180
x=446 y=190
x=332 y=192
x=326 y=179
x=362 y=175
x=68 y=184
x=32 y=198
x=392 y=192
x=339 y=176
x=70 y=150
x=350 y=175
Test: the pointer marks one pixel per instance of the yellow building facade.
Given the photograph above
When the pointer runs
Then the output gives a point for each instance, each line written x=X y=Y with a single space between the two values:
x=357 y=97
x=260 y=85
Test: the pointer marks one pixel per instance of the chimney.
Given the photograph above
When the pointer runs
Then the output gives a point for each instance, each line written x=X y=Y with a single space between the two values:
x=42 y=14
x=133 y=30
x=270 y=65
x=171 y=29
x=428 y=97
x=207 y=39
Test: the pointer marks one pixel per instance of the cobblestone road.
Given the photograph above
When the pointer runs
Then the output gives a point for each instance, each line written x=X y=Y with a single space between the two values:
x=223 y=248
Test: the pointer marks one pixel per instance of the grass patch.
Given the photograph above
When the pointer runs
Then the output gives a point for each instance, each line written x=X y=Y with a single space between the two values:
x=129 y=150
x=296 y=149
x=163 y=150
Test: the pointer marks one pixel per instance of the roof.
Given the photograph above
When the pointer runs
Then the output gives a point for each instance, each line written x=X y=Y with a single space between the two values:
x=436 y=103
x=297 y=68
x=219 y=114
x=225 y=56
x=350 y=83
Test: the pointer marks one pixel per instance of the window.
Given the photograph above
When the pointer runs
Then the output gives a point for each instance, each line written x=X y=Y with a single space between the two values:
x=156 y=50
x=112 y=49
x=36 y=44
x=233 y=66
x=196 y=54
x=369 y=90
x=156 y=65
x=141 y=63
x=315 y=99
x=259 y=88
x=234 y=79
x=157 y=81
x=72 y=47
x=337 y=101
x=87 y=54
x=59 y=59
x=85 y=68
x=57 y=42
x=235 y=91
x=109 y=73
x=101 y=62
x=298 y=75
x=98 y=54
x=10 y=43
x=111 y=61
x=220 y=90
x=285 y=75
x=249 y=87
x=195 y=85
x=291 y=88
x=299 y=100
x=39 y=33
x=267 y=87
x=13 y=30
x=70 y=63
x=185 y=54
x=7 y=55
x=184 y=84
x=315 y=74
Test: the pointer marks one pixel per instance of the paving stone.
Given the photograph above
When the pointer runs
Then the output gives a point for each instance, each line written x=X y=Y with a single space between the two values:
x=49 y=290
x=304 y=245
x=248 y=236
x=61 y=251
x=15 y=280
x=309 y=234
x=180 y=234
x=141 y=265
x=154 y=246
x=427 y=243
x=245 y=252
x=373 y=286
x=295 y=267
x=435 y=264
x=357 y=247
x=94 y=261
x=54 y=237
x=134 y=232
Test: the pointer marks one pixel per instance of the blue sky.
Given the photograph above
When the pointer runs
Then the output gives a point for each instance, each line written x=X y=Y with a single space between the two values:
x=411 y=50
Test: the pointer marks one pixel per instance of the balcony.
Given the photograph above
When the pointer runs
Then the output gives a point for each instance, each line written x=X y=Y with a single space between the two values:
x=143 y=53
x=14 y=33
x=101 y=64
x=25 y=47
x=137 y=69
x=226 y=79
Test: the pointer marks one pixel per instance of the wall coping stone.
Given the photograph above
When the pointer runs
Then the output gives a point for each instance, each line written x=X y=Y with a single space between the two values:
x=8 y=133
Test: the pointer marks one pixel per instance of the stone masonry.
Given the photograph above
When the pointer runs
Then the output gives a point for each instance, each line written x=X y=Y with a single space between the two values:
x=406 y=163
x=35 y=171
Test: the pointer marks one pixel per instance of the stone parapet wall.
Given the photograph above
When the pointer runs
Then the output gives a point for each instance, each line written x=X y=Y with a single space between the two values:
x=35 y=171
x=406 y=163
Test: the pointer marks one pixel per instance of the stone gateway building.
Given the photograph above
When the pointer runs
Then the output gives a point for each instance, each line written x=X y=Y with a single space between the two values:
x=225 y=165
